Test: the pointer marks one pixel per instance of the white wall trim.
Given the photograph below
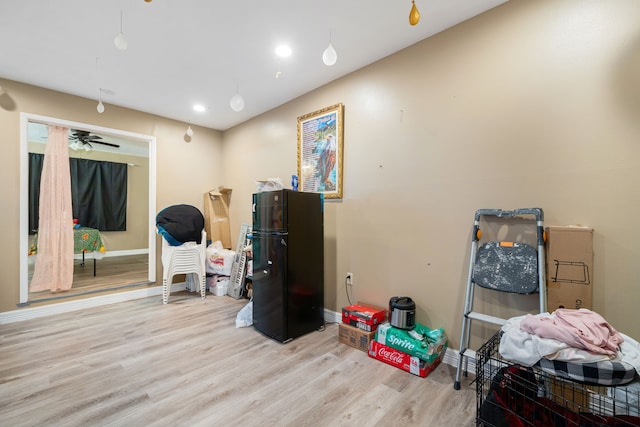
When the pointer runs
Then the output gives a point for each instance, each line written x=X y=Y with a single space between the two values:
x=127 y=252
x=451 y=358
x=332 y=316
x=25 y=118
x=124 y=252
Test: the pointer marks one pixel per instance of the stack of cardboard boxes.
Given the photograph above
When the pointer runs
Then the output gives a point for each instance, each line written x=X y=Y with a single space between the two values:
x=418 y=351
x=359 y=324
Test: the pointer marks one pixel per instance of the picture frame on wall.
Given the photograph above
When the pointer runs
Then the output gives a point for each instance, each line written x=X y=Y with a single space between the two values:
x=320 y=151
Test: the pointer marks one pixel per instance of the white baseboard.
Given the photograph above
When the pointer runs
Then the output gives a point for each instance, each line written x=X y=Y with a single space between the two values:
x=31 y=259
x=125 y=252
x=451 y=358
x=332 y=316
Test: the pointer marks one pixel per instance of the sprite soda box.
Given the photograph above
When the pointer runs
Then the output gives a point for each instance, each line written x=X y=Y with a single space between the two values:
x=422 y=342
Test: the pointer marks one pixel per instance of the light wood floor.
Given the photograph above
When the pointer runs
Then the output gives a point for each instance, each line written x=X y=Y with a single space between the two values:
x=142 y=363
x=112 y=274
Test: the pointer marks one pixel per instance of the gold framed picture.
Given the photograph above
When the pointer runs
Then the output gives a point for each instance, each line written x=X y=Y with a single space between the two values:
x=320 y=146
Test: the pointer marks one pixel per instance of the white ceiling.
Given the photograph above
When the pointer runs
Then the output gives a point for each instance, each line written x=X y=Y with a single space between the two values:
x=202 y=51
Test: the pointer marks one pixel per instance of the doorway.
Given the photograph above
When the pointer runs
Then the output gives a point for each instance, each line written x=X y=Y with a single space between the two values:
x=129 y=254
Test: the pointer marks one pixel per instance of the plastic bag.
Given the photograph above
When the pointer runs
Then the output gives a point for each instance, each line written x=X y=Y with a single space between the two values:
x=219 y=260
x=245 y=315
x=271 y=184
x=191 y=282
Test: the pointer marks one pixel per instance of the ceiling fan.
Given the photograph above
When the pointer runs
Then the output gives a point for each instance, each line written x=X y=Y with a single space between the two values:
x=82 y=139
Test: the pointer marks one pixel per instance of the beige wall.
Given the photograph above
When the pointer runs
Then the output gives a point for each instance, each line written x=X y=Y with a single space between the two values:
x=533 y=104
x=185 y=171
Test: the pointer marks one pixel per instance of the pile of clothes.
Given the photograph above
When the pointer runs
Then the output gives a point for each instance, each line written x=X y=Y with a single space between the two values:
x=576 y=344
x=577 y=336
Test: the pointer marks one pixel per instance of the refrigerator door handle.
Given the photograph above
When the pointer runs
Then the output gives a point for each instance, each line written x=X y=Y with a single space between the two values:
x=266 y=272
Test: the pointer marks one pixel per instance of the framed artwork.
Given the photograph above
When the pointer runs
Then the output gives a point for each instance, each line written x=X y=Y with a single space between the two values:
x=320 y=146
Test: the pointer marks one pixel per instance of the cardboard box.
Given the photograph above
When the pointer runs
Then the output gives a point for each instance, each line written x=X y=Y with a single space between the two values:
x=364 y=316
x=575 y=396
x=427 y=348
x=354 y=337
x=569 y=257
x=216 y=216
x=404 y=361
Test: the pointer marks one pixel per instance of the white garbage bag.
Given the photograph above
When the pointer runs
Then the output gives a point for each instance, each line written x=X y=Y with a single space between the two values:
x=245 y=315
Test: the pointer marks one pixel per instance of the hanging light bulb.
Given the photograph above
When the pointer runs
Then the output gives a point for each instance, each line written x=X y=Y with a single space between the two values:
x=120 y=41
x=329 y=56
x=414 y=14
x=100 y=106
x=189 y=131
x=236 y=103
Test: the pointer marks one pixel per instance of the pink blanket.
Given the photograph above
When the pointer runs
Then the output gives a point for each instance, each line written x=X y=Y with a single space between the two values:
x=578 y=328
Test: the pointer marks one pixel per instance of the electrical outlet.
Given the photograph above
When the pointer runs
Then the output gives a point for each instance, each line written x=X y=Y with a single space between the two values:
x=349 y=278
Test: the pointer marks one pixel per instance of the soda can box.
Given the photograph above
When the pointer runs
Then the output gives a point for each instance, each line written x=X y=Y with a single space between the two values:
x=355 y=337
x=422 y=342
x=363 y=316
x=402 y=360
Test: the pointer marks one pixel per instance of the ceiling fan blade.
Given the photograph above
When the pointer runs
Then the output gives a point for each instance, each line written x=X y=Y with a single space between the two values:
x=106 y=143
x=86 y=137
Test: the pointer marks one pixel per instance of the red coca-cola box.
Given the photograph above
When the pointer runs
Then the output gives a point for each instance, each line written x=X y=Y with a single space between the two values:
x=402 y=360
x=364 y=316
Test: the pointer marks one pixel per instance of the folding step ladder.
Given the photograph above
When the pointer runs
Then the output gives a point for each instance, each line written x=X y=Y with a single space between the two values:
x=502 y=266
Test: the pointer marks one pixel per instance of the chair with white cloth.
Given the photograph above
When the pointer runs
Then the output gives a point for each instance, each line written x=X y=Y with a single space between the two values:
x=184 y=242
x=188 y=258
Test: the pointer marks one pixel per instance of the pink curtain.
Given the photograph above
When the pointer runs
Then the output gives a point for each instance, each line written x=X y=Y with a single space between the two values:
x=53 y=269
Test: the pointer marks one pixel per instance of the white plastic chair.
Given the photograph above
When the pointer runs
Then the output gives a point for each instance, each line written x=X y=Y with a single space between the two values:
x=190 y=257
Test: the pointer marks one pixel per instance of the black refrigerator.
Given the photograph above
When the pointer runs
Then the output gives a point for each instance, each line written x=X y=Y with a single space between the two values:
x=288 y=263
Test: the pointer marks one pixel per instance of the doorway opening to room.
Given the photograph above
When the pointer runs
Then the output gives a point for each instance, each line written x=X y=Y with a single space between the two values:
x=126 y=258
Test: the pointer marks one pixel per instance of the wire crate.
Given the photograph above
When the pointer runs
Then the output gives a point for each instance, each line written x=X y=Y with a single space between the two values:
x=508 y=394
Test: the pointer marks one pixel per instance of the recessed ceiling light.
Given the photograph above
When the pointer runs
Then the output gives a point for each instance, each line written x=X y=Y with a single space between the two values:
x=283 y=51
x=199 y=108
